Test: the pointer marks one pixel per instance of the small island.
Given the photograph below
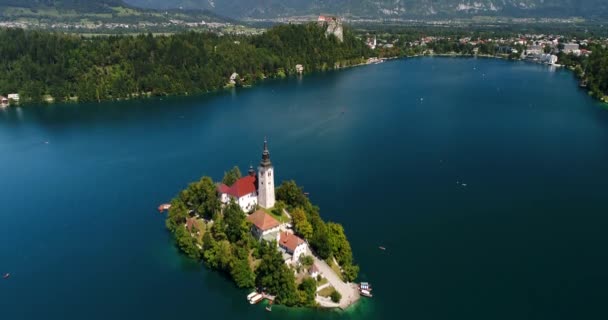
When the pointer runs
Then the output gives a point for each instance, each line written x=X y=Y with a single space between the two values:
x=279 y=245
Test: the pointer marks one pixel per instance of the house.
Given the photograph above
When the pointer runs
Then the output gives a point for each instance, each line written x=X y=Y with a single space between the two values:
x=314 y=271
x=192 y=224
x=570 y=48
x=534 y=49
x=293 y=245
x=3 y=100
x=299 y=68
x=243 y=192
x=251 y=191
x=13 y=96
x=233 y=77
x=264 y=225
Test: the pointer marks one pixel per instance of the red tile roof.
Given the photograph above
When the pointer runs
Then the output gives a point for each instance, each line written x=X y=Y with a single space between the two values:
x=290 y=241
x=222 y=188
x=241 y=187
x=191 y=223
x=263 y=220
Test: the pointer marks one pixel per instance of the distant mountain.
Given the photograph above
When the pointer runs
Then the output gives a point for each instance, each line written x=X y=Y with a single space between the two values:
x=75 y=5
x=389 y=8
x=96 y=11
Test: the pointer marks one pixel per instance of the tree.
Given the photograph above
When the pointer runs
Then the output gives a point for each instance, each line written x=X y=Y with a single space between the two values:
x=292 y=195
x=307 y=291
x=187 y=243
x=320 y=241
x=350 y=272
x=275 y=277
x=231 y=176
x=202 y=197
x=336 y=296
x=234 y=219
x=306 y=261
x=242 y=274
x=301 y=224
x=177 y=215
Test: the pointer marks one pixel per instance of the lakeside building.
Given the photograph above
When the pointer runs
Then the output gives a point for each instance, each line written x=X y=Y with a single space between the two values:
x=571 y=48
x=292 y=247
x=3 y=100
x=13 y=97
x=251 y=191
x=534 y=49
x=265 y=227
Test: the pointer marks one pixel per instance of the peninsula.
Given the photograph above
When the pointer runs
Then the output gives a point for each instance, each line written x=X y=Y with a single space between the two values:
x=270 y=239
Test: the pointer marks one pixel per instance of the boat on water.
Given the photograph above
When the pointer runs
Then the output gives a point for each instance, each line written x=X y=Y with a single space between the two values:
x=365 y=286
x=366 y=293
x=269 y=306
x=382 y=248
x=256 y=299
x=163 y=207
x=251 y=295
x=6 y=276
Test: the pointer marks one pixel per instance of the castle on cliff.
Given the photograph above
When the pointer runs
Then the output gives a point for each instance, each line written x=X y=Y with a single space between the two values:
x=333 y=26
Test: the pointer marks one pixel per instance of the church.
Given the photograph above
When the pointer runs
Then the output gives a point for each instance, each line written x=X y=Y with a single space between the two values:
x=252 y=190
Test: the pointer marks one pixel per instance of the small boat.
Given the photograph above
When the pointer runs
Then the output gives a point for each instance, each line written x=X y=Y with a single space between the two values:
x=163 y=207
x=251 y=295
x=269 y=306
x=6 y=276
x=365 y=286
x=255 y=299
x=366 y=293
x=382 y=248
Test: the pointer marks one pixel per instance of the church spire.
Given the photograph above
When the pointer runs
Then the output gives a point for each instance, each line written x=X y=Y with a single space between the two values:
x=265 y=155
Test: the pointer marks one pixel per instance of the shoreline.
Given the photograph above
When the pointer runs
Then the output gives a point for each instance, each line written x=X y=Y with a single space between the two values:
x=147 y=95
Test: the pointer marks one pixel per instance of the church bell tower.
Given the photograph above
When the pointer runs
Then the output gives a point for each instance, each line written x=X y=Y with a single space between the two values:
x=266 y=180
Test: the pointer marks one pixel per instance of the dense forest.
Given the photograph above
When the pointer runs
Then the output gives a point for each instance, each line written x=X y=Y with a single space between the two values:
x=44 y=66
x=220 y=236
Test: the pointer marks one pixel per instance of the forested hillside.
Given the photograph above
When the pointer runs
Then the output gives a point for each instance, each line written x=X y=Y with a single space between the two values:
x=67 y=67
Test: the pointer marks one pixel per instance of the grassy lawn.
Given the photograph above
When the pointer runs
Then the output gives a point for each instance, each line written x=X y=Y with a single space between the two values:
x=334 y=267
x=326 y=292
x=282 y=218
x=322 y=282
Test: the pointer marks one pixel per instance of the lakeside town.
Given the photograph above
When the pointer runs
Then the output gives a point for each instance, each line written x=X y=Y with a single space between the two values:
x=552 y=49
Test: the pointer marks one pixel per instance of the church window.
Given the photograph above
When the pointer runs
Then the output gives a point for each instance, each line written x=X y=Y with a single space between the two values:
x=269 y=173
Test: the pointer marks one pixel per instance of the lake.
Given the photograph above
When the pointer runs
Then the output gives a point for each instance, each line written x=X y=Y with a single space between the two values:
x=484 y=179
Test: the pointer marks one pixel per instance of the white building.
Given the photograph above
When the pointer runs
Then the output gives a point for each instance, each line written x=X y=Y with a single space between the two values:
x=243 y=192
x=548 y=58
x=293 y=245
x=571 y=48
x=534 y=49
x=249 y=191
x=264 y=226
x=13 y=96
x=266 y=180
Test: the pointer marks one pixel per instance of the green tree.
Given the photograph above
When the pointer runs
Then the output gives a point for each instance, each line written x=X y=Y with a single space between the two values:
x=231 y=176
x=307 y=291
x=301 y=224
x=187 y=243
x=177 y=215
x=336 y=296
x=234 y=218
x=202 y=197
x=242 y=274
x=291 y=195
x=275 y=276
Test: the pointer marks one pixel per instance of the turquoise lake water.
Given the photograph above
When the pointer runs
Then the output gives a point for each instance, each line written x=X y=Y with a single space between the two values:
x=383 y=149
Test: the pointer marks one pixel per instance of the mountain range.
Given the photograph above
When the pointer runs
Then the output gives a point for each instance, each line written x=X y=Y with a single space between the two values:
x=386 y=9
